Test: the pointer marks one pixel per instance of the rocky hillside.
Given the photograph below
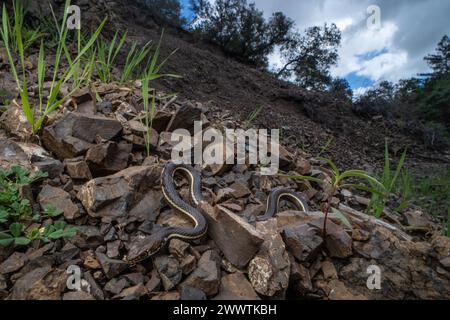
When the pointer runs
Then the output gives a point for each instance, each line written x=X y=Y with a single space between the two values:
x=102 y=194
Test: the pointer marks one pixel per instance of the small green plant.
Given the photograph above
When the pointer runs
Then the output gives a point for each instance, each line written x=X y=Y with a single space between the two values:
x=252 y=117
x=12 y=206
x=36 y=115
x=388 y=180
x=28 y=36
x=107 y=54
x=147 y=121
x=325 y=147
x=14 y=211
x=337 y=180
x=51 y=212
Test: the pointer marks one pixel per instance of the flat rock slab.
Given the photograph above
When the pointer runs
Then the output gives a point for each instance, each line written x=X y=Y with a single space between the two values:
x=116 y=195
x=60 y=199
x=236 y=286
x=75 y=133
x=237 y=239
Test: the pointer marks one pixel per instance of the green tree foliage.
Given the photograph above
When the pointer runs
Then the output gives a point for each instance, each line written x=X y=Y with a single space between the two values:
x=340 y=88
x=377 y=101
x=435 y=103
x=309 y=56
x=440 y=61
x=241 y=29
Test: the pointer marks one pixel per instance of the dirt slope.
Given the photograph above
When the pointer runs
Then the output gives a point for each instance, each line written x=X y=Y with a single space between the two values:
x=308 y=120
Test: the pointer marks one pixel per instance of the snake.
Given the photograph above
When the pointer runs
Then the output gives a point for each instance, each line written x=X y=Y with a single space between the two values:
x=145 y=248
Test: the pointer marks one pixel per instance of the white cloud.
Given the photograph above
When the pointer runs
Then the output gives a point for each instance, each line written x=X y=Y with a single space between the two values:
x=410 y=29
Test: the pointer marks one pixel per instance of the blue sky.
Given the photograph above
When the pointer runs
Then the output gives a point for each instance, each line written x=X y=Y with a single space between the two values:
x=408 y=31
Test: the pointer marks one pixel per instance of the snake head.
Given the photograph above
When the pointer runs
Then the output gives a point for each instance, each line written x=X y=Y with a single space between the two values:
x=145 y=248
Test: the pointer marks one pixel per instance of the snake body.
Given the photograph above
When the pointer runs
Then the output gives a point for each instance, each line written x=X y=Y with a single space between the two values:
x=150 y=245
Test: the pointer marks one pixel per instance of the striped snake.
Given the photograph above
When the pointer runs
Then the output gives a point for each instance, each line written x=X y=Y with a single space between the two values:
x=145 y=248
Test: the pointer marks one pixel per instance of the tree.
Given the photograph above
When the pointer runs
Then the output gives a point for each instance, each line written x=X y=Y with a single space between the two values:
x=377 y=101
x=440 y=61
x=166 y=12
x=241 y=28
x=309 y=56
x=340 y=88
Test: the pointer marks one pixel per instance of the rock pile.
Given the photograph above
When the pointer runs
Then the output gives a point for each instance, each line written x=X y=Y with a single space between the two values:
x=106 y=185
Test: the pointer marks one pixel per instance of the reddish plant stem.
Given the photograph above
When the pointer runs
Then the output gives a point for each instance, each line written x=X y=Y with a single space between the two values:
x=326 y=211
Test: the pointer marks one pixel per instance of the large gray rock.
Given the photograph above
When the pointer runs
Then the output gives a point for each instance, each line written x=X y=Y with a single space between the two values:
x=75 y=133
x=207 y=275
x=236 y=238
x=269 y=270
x=303 y=241
x=60 y=199
x=116 y=195
x=236 y=286
x=108 y=158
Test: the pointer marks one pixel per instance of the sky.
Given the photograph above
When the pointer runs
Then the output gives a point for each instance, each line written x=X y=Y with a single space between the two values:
x=372 y=50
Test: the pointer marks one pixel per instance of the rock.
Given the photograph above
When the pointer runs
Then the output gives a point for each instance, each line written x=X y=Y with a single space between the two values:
x=184 y=117
x=236 y=286
x=336 y=290
x=77 y=168
x=96 y=291
x=14 y=121
x=178 y=248
x=445 y=262
x=82 y=95
x=346 y=193
x=116 y=286
x=292 y=218
x=329 y=270
x=302 y=166
x=73 y=134
x=269 y=270
x=155 y=281
x=132 y=293
x=239 y=190
x=173 y=218
x=161 y=120
x=14 y=263
x=89 y=260
x=113 y=248
x=223 y=195
x=108 y=158
x=300 y=279
x=135 y=278
x=77 y=295
x=190 y=293
x=53 y=167
x=303 y=241
x=207 y=275
x=11 y=154
x=188 y=264
x=87 y=237
x=111 y=267
x=169 y=271
x=115 y=196
x=417 y=219
x=60 y=199
x=360 y=235
x=173 y=295
x=40 y=284
x=224 y=225
x=148 y=208
x=338 y=243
